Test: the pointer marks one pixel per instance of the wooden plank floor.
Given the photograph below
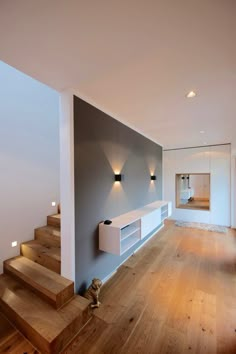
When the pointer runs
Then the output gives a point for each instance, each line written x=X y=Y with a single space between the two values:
x=176 y=295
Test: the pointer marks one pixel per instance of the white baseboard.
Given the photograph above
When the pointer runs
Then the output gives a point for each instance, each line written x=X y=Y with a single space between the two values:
x=109 y=276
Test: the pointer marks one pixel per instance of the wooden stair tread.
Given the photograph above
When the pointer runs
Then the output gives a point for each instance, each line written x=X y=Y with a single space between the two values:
x=41 y=247
x=43 y=253
x=50 y=235
x=51 y=230
x=48 y=329
x=11 y=341
x=57 y=216
x=54 y=220
x=54 y=288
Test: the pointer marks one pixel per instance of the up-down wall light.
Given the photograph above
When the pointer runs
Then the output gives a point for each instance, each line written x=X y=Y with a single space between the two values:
x=118 y=178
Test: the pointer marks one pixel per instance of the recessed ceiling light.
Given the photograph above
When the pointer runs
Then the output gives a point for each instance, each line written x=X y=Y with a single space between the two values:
x=191 y=94
x=202 y=131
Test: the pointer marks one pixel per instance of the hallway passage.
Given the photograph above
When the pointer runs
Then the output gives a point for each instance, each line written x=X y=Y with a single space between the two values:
x=176 y=295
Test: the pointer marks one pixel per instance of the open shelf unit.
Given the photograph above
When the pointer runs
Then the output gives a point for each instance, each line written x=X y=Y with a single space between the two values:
x=128 y=229
x=129 y=242
x=164 y=212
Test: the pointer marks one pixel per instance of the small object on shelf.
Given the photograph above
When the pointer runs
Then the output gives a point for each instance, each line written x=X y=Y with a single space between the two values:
x=107 y=222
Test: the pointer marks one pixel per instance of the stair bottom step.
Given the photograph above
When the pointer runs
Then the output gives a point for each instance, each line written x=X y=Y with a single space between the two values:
x=46 y=328
x=48 y=285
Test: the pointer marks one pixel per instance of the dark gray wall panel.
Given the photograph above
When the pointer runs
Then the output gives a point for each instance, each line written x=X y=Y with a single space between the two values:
x=102 y=146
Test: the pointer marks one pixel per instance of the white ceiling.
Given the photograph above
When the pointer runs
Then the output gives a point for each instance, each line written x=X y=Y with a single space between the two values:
x=136 y=59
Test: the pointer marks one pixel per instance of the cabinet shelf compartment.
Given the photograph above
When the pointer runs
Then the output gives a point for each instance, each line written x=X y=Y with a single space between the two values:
x=164 y=215
x=128 y=242
x=164 y=208
x=129 y=230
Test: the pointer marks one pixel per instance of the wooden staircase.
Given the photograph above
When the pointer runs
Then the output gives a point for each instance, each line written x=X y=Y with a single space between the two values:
x=38 y=301
x=45 y=249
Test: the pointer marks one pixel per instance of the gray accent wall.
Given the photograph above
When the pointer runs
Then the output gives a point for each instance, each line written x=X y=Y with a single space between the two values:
x=103 y=146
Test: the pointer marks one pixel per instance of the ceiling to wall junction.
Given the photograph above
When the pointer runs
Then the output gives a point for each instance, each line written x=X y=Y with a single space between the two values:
x=137 y=59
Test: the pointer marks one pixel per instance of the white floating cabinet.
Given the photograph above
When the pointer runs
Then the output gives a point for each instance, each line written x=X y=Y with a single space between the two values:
x=149 y=222
x=128 y=229
x=117 y=239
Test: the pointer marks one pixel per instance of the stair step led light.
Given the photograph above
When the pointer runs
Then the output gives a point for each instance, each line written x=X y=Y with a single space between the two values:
x=191 y=94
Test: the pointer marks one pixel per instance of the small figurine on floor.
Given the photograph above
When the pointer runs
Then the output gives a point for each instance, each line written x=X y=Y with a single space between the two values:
x=92 y=293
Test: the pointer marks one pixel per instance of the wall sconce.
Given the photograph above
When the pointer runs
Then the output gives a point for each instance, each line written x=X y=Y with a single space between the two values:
x=118 y=178
x=153 y=178
x=183 y=177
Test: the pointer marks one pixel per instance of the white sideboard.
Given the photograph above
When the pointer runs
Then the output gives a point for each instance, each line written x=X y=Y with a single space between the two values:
x=128 y=229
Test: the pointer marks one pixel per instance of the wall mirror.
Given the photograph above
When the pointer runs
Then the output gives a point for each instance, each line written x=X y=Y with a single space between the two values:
x=193 y=191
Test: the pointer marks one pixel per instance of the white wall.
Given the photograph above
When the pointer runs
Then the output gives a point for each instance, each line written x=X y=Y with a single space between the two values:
x=201 y=185
x=214 y=160
x=233 y=184
x=29 y=157
x=67 y=185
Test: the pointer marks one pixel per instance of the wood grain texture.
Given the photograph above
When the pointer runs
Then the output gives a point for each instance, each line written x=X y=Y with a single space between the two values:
x=177 y=295
x=11 y=341
x=54 y=220
x=49 y=330
x=48 y=234
x=42 y=253
x=50 y=286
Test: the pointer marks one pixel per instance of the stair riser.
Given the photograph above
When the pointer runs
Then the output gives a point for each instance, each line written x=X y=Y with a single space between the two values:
x=54 y=300
x=36 y=339
x=17 y=344
x=8 y=270
x=52 y=221
x=70 y=332
x=33 y=336
x=54 y=241
x=41 y=258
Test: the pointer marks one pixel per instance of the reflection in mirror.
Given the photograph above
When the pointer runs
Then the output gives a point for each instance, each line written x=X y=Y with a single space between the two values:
x=193 y=191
